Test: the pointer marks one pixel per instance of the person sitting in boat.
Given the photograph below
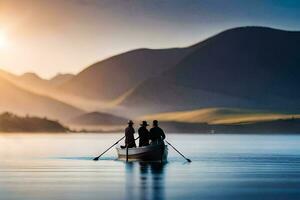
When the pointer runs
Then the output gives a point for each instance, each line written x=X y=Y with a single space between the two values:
x=157 y=135
x=143 y=134
x=129 y=135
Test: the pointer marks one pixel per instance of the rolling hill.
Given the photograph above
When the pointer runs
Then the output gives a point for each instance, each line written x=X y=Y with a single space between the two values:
x=232 y=77
x=220 y=116
x=60 y=79
x=111 y=78
x=13 y=123
x=20 y=101
x=97 y=118
x=32 y=81
x=35 y=84
x=248 y=67
x=279 y=126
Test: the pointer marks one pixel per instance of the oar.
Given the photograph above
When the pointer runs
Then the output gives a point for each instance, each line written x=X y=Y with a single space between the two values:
x=178 y=152
x=97 y=158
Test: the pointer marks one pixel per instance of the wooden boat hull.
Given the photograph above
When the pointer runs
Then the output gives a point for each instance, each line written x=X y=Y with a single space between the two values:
x=157 y=152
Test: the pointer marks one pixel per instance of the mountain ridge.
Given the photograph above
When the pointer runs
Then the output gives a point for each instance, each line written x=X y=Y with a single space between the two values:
x=112 y=77
x=21 y=101
x=98 y=118
x=243 y=63
x=245 y=68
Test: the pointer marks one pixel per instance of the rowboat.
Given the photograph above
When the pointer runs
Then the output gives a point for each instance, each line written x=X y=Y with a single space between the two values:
x=152 y=152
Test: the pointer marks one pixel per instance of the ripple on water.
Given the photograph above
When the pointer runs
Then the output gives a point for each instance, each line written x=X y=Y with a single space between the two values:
x=232 y=169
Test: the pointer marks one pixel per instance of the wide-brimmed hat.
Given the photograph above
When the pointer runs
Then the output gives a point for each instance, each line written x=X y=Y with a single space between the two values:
x=130 y=122
x=144 y=123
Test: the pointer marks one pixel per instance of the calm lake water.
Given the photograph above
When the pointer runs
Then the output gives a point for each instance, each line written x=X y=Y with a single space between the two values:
x=52 y=167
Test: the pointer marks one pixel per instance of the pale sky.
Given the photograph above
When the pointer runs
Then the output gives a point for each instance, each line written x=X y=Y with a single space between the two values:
x=52 y=36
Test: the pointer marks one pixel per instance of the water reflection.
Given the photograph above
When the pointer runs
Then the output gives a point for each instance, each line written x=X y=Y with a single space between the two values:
x=145 y=181
x=224 y=167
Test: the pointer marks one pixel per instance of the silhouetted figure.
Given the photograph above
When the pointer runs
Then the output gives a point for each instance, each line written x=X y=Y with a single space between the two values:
x=143 y=134
x=129 y=133
x=157 y=135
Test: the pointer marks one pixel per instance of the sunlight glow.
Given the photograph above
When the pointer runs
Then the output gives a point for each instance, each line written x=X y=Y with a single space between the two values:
x=3 y=40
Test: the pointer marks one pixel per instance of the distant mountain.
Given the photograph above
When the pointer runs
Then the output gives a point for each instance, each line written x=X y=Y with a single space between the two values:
x=31 y=79
x=7 y=75
x=249 y=67
x=28 y=81
x=97 y=118
x=18 y=100
x=60 y=79
x=30 y=76
x=242 y=68
x=35 y=84
x=113 y=77
x=13 y=123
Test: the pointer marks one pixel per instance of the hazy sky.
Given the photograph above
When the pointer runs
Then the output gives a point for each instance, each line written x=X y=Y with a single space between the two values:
x=51 y=36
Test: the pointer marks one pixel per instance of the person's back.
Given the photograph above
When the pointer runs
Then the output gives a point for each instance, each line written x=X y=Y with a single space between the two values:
x=129 y=133
x=143 y=134
x=156 y=133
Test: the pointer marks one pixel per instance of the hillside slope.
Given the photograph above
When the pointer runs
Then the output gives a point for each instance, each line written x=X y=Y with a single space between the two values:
x=111 y=78
x=60 y=79
x=13 y=123
x=220 y=116
x=249 y=67
x=20 y=101
x=97 y=118
x=33 y=83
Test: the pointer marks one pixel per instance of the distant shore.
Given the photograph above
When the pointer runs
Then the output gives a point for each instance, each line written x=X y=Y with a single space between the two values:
x=10 y=123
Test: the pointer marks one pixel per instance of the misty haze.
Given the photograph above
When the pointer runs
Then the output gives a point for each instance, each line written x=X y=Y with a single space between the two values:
x=117 y=99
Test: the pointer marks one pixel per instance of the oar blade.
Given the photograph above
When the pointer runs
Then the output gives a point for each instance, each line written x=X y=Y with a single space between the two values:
x=96 y=159
x=188 y=160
